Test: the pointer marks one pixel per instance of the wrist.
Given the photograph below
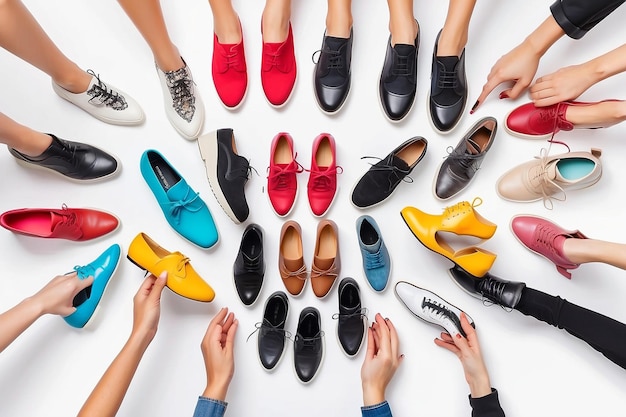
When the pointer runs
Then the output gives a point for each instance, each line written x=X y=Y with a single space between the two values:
x=139 y=340
x=541 y=39
x=216 y=391
x=34 y=307
x=373 y=395
x=479 y=387
x=597 y=69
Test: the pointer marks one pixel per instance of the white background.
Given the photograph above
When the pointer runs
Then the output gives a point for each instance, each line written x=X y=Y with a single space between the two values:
x=539 y=370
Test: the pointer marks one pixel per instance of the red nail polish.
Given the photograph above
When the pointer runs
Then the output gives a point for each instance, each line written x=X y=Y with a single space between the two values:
x=504 y=94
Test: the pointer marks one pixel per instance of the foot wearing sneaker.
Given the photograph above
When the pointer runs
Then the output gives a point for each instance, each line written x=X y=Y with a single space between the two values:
x=183 y=105
x=229 y=69
x=489 y=287
x=74 y=160
x=104 y=102
x=431 y=308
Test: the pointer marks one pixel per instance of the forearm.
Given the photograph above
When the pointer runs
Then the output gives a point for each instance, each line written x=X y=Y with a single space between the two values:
x=607 y=65
x=108 y=394
x=14 y=321
x=546 y=35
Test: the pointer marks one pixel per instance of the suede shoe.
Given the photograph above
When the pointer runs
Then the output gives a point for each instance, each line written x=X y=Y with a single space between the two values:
x=278 y=70
x=227 y=172
x=489 y=287
x=431 y=308
x=376 y=260
x=73 y=160
x=249 y=267
x=351 y=317
x=463 y=162
x=448 y=90
x=398 y=80
x=333 y=73
x=308 y=345
x=87 y=301
x=545 y=239
x=77 y=224
x=183 y=208
x=272 y=334
x=381 y=180
x=322 y=185
x=229 y=70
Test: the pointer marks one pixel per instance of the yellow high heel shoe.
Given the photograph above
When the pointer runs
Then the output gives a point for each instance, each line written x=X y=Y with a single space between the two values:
x=460 y=219
x=181 y=277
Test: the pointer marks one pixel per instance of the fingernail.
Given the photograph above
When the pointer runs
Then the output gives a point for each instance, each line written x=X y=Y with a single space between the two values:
x=504 y=94
x=402 y=355
x=474 y=107
x=458 y=335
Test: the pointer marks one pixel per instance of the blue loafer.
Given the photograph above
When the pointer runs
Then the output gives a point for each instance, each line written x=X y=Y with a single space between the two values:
x=376 y=260
x=183 y=208
x=87 y=300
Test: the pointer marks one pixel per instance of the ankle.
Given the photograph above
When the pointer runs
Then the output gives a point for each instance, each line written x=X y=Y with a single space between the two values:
x=403 y=31
x=451 y=42
x=169 y=60
x=228 y=29
x=338 y=25
x=75 y=80
x=34 y=144
x=275 y=21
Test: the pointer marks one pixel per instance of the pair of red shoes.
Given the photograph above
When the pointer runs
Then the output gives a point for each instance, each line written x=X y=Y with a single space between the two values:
x=282 y=184
x=278 y=71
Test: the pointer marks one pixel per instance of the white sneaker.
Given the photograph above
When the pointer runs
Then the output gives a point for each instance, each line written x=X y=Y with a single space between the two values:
x=431 y=308
x=104 y=102
x=183 y=105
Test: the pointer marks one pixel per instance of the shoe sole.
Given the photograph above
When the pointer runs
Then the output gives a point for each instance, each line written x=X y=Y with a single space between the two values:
x=207 y=144
x=91 y=320
x=36 y=166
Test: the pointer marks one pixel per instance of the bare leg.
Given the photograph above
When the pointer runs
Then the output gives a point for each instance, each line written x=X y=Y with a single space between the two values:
x=225 y=22
x=275 y=20
x=22 y=138
x=604 y=114
x=402 y=24
x=339 y=18
x=582 y=251
x=148 y=19
x=455 y=30
x=21 y=35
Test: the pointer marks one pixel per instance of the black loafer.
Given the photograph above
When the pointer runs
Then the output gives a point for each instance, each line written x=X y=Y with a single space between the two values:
x=308 y=345
x=332 y=73
x=381 y=180
x=351 y=325
x=249 y=267
x=271 y=341
x=462 y=163
x=74 y=160
x=499 y=291
x=398 y=80
x=448 y=90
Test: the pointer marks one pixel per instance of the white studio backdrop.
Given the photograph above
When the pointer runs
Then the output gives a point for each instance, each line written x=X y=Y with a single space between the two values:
x=539 y=370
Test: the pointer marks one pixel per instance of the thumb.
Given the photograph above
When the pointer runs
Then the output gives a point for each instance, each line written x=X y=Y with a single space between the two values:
x=157 y=287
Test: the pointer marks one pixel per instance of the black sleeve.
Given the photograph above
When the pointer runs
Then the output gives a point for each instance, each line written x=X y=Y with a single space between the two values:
x=577 y=17
x=487 y=406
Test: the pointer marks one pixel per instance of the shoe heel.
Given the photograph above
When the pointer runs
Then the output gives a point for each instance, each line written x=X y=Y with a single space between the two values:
x=136 y=264
x=475 y=261
x=564 y=272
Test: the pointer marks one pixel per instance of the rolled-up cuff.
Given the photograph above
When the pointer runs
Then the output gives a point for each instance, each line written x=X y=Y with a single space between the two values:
x=562 y=20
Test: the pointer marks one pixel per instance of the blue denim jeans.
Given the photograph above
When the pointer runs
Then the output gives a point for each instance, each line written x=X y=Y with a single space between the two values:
x=377 y=410
x=208 y=407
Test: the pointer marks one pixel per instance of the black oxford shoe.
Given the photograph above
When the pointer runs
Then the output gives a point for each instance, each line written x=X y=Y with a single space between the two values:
x=271 y=341
x=497 y=290
x=332 y=73
x=308 y=345
x=351 y=325
x=249 y=267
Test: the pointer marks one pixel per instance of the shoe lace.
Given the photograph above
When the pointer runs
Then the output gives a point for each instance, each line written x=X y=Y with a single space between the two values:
x=541 y=178
x=361 y=313
x=181 y=85
x=553 y=114
x=267 y=326
x=491 y=291
x=251 y=264
x=335 y=59
x=231 y=59
x=85 y=271
x=308 y=343
x=300 y=273
x=317 y=272
x=273 y=59
x=402 y=65
x=279 y=176
x=399 y=173
x=460 y=208
x=176 y=207
x=440 y=312
x=322 y=180
x=466 y=160
x=375 y=260
x=180 y=266
x=102 y=95
x=544 y=238
x=69 y=218
x=447 y=79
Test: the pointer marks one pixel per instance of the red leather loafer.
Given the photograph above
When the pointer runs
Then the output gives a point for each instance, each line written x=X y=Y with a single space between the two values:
x=322 y=185
x=229 y=70
x=76 y=224
x=278 y=70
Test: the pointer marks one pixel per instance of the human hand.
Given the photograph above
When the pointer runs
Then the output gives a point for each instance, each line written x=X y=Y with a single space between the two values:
x=217 y=350
x=57 y=296
x=147 y=307
x=381 y=360
x=565 y=84
x=468 y=352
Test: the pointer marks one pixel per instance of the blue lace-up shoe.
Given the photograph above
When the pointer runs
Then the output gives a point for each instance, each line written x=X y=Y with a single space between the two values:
x=87 y=301
x=183 y=208
x=376 y=260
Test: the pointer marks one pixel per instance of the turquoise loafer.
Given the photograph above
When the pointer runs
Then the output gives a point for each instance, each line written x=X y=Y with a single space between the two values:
x=88 y=300
x=183 y=208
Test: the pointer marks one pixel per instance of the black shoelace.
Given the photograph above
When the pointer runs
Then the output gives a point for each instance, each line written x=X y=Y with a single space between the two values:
x=335 y=60
x=466 y=160
x=442 y=312
x=403 y=65
x=266 y=325
x=491 y=291
x=361 y=313
x=395 y=174
x=447 y=79
x=101 y=94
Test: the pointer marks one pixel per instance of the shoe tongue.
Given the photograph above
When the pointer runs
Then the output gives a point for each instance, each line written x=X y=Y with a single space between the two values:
x=404 y=49
x=323 y=263
x=293 y=264
x=399 y=163
x=449 y=62
x=335 y=43
x=55 y=219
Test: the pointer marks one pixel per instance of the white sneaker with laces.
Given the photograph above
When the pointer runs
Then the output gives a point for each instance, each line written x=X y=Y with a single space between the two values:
x=431 y=308
x=183 y=105
x=104 y=102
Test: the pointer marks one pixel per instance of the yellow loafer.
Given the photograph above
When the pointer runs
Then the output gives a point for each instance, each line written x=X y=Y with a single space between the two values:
x=181 y=277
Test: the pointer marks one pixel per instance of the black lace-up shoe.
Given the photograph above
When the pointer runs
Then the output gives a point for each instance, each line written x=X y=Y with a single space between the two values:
x=332 y=73
x=227 y=172
x=462 y=163
x=272 y=334
x=497 y=290
x=448 y=90
x=398 y=80
x=249 y=267
x=431 y=308
x=74 y=160
x=380 y=181
x=351 y=317
x=308 y=345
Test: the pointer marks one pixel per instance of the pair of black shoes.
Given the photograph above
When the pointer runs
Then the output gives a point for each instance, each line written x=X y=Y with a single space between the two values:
x=249 y=266
x=73 y=160
x=308 y=344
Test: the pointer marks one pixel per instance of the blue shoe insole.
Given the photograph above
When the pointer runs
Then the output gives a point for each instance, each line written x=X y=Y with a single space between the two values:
x=575 y=168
